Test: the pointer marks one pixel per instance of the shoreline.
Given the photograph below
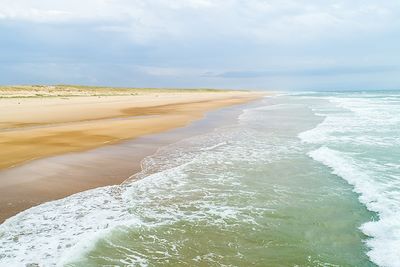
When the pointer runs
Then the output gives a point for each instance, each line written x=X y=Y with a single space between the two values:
x=37 y=128
x=57 y=176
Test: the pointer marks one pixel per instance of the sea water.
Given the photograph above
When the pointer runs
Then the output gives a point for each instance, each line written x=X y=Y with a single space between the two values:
x=306 y=179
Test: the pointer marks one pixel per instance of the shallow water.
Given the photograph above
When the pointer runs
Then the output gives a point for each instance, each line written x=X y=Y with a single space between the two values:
x=359 y=141
x=288 y=184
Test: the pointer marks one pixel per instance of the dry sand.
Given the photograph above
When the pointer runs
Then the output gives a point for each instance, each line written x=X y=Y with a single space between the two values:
x=33 y=128
x=39 y=127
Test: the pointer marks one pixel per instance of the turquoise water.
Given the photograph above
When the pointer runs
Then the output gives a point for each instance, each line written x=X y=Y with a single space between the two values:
x=298 y=180
x=359 y=140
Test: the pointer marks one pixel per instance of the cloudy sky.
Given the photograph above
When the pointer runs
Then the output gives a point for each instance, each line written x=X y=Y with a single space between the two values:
x=254 y=44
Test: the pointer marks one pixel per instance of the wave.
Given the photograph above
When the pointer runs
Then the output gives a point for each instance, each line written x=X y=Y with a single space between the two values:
x=355 y=121
x=203 y=180
x=357 y=140
x=58 y=232
x=52 y=230
x=386 y=231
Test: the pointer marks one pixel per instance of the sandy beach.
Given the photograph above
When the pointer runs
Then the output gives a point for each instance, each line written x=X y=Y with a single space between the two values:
x=68 y=122
x=199 y=133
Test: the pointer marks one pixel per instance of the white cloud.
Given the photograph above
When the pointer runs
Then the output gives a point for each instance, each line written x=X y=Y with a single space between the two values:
x=167 y=71
x=181 y=20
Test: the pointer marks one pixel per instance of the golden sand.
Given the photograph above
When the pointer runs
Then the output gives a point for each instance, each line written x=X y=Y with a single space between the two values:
x=38 y=127
x=33 y=128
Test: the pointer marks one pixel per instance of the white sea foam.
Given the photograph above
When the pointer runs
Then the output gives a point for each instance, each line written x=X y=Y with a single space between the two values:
x=193 y=181
x=356 y=121
x=58 y=232
x=348 y=137
x=376 y=196
x=46 y=233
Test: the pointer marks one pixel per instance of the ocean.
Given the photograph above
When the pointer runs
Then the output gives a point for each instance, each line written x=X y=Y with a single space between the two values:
x=298 y=179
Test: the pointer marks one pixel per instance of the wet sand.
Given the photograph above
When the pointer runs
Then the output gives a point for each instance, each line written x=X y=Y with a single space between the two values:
x=37 y=128
x=100 y=151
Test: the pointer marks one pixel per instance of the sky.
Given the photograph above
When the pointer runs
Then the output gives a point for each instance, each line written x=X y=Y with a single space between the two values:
x=249 y=44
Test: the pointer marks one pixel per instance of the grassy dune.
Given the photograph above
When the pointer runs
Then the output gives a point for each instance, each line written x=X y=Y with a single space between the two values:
x=18 y=91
